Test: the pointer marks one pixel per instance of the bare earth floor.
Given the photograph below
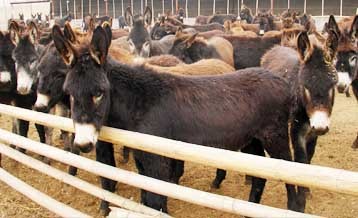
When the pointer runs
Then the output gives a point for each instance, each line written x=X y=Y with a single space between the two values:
x=333 y=150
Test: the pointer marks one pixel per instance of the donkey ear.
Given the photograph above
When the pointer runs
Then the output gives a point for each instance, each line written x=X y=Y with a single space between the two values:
x=91 y=25
x=189 y=42
x=63 y=46
x=148 y=16
x=303 y=46
x=128 y=16
x=227 y=25
x=107 y=28
x=331 y=45
x=354 y=28
x=99 y=45
x=332 y=24
x=14 y=32
x=1 y=36
x=34 y=34
x=179 y=32
x=68 y=33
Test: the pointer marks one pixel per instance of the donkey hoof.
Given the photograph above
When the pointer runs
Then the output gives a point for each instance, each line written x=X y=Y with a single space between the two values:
x=46 y=160
x=355 y=144
x=215 y=184
x=248 y=180
x=72 y=171
x=105 y=211
x=21 y=150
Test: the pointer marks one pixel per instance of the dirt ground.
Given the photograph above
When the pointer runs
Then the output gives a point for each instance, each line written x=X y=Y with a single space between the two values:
x=333 y=150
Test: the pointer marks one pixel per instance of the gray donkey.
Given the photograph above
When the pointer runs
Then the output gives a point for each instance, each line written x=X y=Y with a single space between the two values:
x=139 y=40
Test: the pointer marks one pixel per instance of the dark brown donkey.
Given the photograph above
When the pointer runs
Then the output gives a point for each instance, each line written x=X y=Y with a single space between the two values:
x=347 y=56
x=140 y=43
x=252 y=105
x=312 y=76
x=190 y=48
x=248 y=50
x=25 y=55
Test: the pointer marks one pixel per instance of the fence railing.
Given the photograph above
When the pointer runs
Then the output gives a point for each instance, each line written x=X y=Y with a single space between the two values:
x=337 y=180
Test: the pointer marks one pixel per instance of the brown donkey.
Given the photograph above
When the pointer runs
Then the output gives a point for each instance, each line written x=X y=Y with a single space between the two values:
x=312 y=77
x=252 y=105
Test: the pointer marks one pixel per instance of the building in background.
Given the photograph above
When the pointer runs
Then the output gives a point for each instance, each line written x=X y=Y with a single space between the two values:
x=115 y=8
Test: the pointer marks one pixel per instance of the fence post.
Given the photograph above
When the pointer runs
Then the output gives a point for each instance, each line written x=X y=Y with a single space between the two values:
x=214 y=7
x=74 y=9
x=114 y=9
x=305 y=6
x=257 y=7
x=97 y=8
x=61 y=8
x=90 y=7
x=288 y=4
x=186 y=9
x=198 y=7
x=322 y=7
x=227 y=6
x=341 y=9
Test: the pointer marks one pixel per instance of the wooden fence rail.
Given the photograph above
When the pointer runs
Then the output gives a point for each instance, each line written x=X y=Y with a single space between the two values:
x=39 y=197
x=210 y=200
x=336 y=180
x=78 y=183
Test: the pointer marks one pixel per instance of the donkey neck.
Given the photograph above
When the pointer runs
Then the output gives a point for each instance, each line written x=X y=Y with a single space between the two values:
x=134 y=91
x=200 y=50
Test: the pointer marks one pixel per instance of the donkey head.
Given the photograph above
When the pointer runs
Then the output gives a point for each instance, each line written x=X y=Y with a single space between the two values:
x=25 y=55
x=39 y=16
x=86 y=83
x=246 y=14
x=181 y=46
x=7 y=64
x=265 y=20
x=52 y=72
x=139 y=39
x=347 y=56
x=21 y=16
x=317 y=79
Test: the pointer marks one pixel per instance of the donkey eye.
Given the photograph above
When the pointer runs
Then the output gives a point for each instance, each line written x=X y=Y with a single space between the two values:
x=352 y=61
x=307 y=94
x=97 y=97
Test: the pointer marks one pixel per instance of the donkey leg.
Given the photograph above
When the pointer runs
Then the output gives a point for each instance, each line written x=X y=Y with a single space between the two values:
x=23 y=129
x=105 y=154
x=258 y=184
x=125 y=154
x=15 y=128
x=299 y=131
x=68 y=140
x=220 y=176
x=178 y=171
x=158 y=167
x=45 y=135
x=355 y=143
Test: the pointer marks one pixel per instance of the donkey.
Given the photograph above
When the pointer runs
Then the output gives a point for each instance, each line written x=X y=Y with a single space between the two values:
x=347 y=55
x=312 y=76
x=190 y=49
x=21 y=16
x=25 y=54
x=256 y=105
x=248 y=50
x=246 y=14
x=221 y=18
x=139 y=40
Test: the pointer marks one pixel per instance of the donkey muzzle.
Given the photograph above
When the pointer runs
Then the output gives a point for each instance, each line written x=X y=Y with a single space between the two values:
x=86 y=137
x=344 y=81
x=319 y=122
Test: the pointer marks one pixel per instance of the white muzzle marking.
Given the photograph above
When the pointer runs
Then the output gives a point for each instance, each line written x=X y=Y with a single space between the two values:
x=42 y=100
x=5 y=77
x=319 y=120
x=344 y=80
x=24 y=82
x=85 y=134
